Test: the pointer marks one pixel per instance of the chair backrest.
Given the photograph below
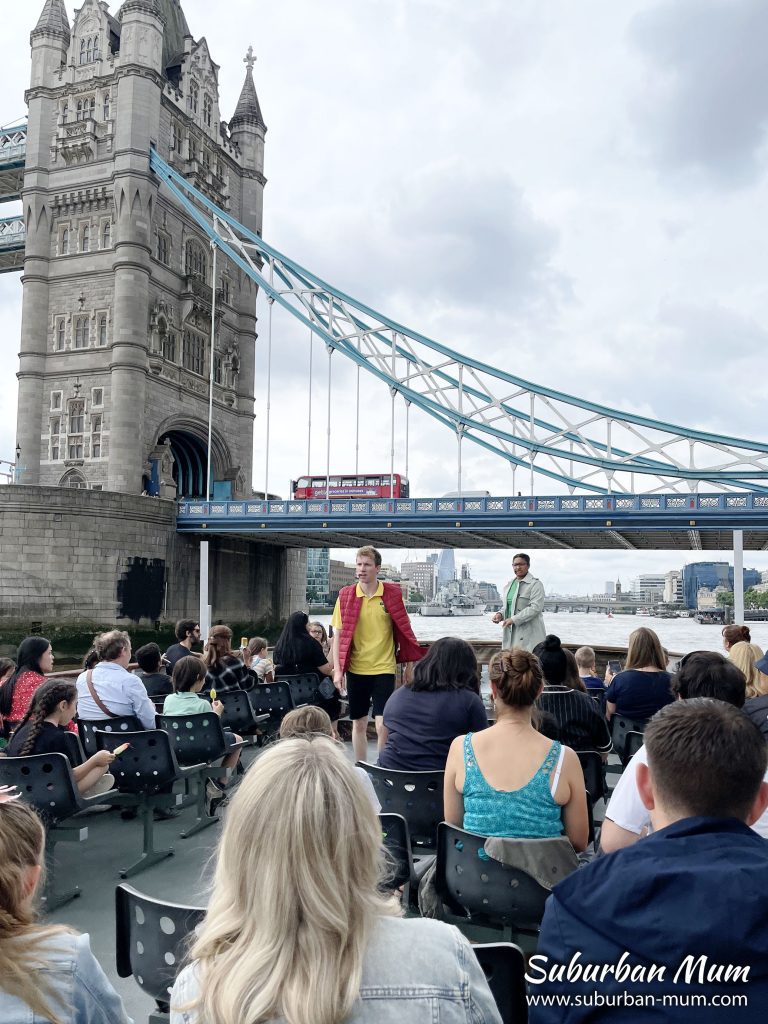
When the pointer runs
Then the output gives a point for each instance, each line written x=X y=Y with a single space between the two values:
x=75 y=751
x=418 y=796
x=152 y=940
x=620 y=726
x=271 y=699
x=196 y=739
x=397 y=843
x=45 y=782
x=592 y=767
x=147 y=765
x=470 y=881
x=87 y=729
x=305 y=689
x=633 y=743
x=238 y=713
x=503 y=964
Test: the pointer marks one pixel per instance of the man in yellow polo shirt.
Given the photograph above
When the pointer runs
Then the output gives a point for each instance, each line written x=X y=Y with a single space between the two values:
x=371 y=632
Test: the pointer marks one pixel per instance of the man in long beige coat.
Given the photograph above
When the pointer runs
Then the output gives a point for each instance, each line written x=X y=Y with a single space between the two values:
x=522 y=607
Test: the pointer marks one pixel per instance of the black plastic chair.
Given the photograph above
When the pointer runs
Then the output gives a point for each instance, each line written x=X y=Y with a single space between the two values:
x=620 y=728
x=152 y=939
x=305 y=689
x=87 y=729
x=418 y=796
x=594 y=773
x=144 y=775
x=239 y=715
x=635 y=740
x=484 y=890
x=75 y=751
x=406 y=873
x=198 y=741
x=46 y=783
x=274 y=700
x=503 y=964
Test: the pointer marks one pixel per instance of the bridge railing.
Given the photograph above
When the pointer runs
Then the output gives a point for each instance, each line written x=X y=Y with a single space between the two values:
x=12 y=233
x=647 y=504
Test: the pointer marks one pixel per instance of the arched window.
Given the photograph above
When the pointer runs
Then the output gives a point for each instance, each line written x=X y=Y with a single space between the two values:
x=103 y=330
x=193 y=99
x=83 y=52
x=196 y=262
x=82 y=333
x=208 y=109
x=96 y=53
x=106 y=235
x=93 y=107
x=89 y=51
x=65 y=111
x=106 y=106
x=79 y=114
x=65 y=242
x=85 y=239
x=60 y=334
x=73 y=479
x=76 y=417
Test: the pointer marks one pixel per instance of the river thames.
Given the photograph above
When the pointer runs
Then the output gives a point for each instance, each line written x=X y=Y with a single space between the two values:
x=677 y=635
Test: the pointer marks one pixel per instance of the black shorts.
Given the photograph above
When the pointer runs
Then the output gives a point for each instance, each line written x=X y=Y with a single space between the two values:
x=364 y=690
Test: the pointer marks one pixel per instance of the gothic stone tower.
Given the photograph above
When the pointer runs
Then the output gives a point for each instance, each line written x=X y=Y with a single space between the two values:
x=116 y=319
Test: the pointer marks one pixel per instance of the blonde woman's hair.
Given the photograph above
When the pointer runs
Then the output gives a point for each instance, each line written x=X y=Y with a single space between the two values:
x=219 y=645
x=304 y=720
x=22 y=941
x=296 y=892
x=744 y=656
x=645 y=650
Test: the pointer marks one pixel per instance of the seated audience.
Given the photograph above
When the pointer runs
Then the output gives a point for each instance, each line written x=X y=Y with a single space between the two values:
x=109 y=690
x=262 y=666
x=734 y=634
x=151 y=671
x=441 y=702
x=692 y=895
x=579 y=724
x=309 y=721
x=43 y=731
x=509 y=780
x=745 y=657
x=47 y=972
x=297 y=653
x=701 y=674
x=188 y=679
x=33 y=659
x=187 y=635
x=586 y=664
x=298 y=929
x=757 y=707
x=224 y=670
x=643 y=687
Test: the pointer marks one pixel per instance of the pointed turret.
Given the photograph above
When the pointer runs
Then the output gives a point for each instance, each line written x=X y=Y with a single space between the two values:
x=53 y=21
x=248 y=111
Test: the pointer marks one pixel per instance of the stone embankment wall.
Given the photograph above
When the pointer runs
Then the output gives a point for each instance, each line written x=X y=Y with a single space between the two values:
x=73 y=556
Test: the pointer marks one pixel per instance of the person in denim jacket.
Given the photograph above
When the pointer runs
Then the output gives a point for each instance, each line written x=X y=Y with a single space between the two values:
x=298 y=929
x=47 y=974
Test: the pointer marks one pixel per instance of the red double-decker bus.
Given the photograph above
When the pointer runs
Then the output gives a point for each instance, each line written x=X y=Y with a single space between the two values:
x=354 y=485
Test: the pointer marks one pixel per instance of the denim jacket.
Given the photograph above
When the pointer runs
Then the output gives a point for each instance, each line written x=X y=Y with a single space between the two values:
x=80 y=989
x=415 y=972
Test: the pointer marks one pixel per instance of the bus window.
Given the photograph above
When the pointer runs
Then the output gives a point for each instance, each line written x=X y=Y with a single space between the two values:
x=372 y=481
x=303 y=481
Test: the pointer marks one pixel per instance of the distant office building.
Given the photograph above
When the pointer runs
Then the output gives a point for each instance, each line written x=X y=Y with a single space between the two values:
x=317 y=575
x=339 y=575
x=446 y=567
x=610 y=588
x=422 y=575
x=488 y=592
x=465 y=571
x=709 y=576
x=673 y=587
x=648 y=588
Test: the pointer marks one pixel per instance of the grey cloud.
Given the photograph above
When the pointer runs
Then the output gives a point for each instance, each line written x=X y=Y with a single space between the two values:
x=705 y=102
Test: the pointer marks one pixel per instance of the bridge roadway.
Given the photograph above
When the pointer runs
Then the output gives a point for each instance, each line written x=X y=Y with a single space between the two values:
x=686 y=522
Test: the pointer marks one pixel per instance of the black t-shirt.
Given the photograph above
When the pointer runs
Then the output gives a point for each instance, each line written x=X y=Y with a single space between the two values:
x=158 y=684
x=174 y=654
x=312 y=657
x=757 y=709
x=50 y=740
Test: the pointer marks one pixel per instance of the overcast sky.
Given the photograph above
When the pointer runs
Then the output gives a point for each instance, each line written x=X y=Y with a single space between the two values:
x=578 y=191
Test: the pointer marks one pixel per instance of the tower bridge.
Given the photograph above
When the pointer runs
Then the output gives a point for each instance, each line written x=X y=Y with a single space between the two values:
x=140 y=236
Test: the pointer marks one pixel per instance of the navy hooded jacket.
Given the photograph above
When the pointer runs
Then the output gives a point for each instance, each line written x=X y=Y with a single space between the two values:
x=695 y=889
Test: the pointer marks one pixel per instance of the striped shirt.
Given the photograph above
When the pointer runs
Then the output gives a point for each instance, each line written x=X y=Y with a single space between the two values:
x=579 y=723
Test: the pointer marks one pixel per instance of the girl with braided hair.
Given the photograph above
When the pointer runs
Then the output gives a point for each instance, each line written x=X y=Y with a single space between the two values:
x=42 y=731
x=47 y=973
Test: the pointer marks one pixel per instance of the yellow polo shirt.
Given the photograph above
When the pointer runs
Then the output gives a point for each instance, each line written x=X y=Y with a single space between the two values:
x=373 y=643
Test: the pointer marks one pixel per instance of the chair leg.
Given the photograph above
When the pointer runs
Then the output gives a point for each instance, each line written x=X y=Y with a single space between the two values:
x=51 y=899
x=203 y=819
x=149 y=854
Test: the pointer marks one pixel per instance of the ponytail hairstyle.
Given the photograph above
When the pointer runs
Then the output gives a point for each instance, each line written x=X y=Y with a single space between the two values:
x=44 y=702
x=91 y=660
x=572 y=677
x=736 y=634
x=219 y=645
x=28 y=658
x=22 y=942
x=517 y=677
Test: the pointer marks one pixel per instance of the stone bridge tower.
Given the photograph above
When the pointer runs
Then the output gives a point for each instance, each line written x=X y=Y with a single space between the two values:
x=118 y=287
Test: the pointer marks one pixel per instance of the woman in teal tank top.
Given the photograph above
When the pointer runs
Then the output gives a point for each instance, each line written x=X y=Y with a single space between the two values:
x=509 y=780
